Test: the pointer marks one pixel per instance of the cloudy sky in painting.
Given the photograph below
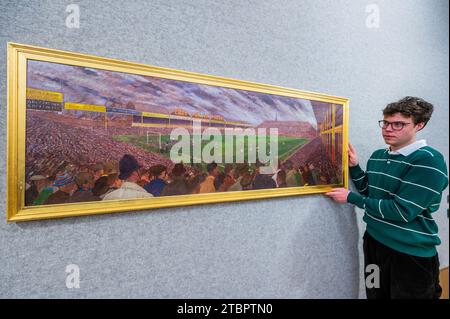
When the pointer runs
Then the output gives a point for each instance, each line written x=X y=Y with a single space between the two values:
x=150 y=94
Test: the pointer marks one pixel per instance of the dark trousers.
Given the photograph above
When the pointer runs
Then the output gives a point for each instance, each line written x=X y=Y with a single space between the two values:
x=401 y=276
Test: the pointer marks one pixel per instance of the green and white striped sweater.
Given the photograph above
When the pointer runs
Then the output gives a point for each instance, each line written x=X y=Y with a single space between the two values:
x=399 y=193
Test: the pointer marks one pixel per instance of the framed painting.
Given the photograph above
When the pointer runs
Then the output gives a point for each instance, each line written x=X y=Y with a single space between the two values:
x=90 y=135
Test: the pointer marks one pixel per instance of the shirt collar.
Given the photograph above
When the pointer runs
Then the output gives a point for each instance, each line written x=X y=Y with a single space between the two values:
x=409 y=149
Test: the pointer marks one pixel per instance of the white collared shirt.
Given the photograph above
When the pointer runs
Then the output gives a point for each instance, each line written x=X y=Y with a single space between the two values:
x=409 y=149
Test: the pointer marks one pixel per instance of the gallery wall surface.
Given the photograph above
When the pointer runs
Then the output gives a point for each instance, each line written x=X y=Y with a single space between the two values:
x=297 y=247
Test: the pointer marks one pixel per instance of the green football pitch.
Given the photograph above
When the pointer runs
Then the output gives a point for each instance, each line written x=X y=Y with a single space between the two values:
x=162 y=144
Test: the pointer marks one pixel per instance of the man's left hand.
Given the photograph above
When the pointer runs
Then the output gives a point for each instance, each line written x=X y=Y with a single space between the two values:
x=339 y=195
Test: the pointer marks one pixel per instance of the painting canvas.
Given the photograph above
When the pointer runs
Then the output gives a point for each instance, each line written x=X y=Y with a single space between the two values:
x=95 y=134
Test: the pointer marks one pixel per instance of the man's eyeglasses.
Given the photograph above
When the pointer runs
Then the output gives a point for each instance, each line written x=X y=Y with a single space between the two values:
x=396 y=126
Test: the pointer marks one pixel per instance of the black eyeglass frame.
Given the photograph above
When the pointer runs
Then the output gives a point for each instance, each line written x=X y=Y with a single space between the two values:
x=385 y=124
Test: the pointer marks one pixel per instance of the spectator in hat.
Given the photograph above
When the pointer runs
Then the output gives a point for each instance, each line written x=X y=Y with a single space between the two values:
x=178 y=184
x=129 y=172
x=159 y=181
x=66 y=186
x=264 y=177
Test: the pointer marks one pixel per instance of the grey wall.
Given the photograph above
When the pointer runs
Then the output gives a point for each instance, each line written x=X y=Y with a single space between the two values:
x=303 y=247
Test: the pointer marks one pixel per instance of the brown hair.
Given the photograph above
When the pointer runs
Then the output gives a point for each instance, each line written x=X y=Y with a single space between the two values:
x=157 y=169
x=415 y=107
x=111 y=179
x=83 y=178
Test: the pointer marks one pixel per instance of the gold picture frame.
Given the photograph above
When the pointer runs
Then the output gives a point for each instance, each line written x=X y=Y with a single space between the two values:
x=18 y=57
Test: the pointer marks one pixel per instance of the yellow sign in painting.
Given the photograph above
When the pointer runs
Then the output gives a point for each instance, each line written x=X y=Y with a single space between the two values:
x=85 y=107
x=42 y=95
x=150 y=114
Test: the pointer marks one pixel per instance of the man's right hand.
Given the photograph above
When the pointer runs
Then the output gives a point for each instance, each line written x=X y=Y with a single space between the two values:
x=352 y=157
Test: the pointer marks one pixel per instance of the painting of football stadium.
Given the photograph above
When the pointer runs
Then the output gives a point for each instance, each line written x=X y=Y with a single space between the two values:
x=101 y=135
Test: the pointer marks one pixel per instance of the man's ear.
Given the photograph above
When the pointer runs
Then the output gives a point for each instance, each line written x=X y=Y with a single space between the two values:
x=420 y=126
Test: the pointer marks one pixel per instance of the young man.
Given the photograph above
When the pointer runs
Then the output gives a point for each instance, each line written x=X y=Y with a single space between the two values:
x=400 y=190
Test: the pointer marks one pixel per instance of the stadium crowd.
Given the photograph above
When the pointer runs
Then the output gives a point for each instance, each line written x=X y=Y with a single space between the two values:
x=66 y=164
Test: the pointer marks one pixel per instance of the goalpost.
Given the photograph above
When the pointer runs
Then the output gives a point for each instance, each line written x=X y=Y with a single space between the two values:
x=154 y=139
